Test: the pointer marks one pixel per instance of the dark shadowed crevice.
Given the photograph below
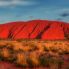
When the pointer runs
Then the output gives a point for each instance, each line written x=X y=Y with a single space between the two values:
x=20 y=30
x=33 y=30
x=66 y=32
x=10 y=34
x=14 y=28
x=61 y=25
x=41 y=33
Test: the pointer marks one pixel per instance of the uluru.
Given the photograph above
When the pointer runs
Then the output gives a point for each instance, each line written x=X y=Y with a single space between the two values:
x=35 y=29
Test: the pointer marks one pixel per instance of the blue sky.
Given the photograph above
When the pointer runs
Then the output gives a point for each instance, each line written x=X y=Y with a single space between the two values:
x=24 y=10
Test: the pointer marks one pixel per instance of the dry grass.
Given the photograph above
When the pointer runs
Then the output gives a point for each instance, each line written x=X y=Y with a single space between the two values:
x=35 y=52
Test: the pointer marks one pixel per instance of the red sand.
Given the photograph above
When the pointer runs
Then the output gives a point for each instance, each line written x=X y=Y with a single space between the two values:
x=7 y=65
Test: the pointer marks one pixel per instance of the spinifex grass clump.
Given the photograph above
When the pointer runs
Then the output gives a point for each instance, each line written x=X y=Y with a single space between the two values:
x=50 y=61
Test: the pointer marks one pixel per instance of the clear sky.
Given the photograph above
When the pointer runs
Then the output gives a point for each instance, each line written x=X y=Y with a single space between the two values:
x=24 y=10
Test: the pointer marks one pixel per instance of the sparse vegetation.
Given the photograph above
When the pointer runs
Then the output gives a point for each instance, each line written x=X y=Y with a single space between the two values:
x=44 y=61
x=34 y=52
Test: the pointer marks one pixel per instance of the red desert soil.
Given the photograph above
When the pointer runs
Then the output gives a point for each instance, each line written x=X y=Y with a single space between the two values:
x=35 y=29
x=8 y=65
x=34 y=54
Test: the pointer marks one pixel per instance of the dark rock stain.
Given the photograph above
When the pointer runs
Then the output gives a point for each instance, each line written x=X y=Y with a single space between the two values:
x=32 y=30
x=41 y=33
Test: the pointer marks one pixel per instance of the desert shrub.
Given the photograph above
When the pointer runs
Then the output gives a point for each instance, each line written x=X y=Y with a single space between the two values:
x=3 y=46
x=60 y=63
x=19 y=65
x=53 y=49
x=1 y=58
x=49 y=61
x=33 y=49
x=66 y=52
x=67 y=68
x=46 y=49
x=21 y=59
x=44 y=61
x=55 y=43
x=30 y=63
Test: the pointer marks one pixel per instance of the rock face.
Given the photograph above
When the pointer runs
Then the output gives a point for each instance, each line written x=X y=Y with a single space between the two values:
x=36 y=29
